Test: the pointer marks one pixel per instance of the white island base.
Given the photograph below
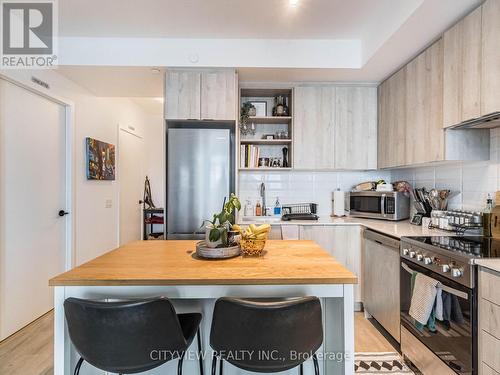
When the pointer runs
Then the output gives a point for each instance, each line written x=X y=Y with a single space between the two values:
x=336 y=356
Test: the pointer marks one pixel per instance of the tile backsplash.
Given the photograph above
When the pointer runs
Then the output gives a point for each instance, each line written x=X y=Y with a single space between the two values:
x=473 y=181
x=302 y=186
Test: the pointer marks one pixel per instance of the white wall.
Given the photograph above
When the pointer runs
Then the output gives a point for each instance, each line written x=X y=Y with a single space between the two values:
x=474 y=180
x=96 y=226
x=302 y=186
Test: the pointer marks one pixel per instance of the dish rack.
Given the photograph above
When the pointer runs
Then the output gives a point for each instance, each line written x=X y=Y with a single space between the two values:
x=299 y=211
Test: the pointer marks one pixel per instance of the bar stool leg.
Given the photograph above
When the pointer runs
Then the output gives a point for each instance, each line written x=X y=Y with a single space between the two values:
x=301 y=369
x=200 y=353
x=179 y=366
x=214 y=363
x=316 y=366
x=78 y=365
x=221 y=366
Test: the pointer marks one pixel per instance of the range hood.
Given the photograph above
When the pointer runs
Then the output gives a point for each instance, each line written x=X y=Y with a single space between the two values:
x=488 y=121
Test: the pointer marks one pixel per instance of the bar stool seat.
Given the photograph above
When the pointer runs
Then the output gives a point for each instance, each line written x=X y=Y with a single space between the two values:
x=128 y=337
x=266 y=336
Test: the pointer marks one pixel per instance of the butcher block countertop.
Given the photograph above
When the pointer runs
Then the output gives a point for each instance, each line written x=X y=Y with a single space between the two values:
x=174 y=263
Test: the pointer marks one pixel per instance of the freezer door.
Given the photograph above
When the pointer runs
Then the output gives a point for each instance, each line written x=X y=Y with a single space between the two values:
x=198 y=178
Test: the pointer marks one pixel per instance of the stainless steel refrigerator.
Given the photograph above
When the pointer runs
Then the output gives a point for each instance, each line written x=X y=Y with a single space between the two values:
x=200 y=173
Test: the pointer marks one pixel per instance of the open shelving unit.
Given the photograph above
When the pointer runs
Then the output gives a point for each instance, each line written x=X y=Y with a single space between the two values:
x=266 y=126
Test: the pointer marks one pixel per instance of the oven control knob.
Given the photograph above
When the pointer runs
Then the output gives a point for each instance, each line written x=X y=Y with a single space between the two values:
x=427 y=260
x=420 y=257
x=412 y=254
x=406 y=251
x=456 y=272
x=445 y=268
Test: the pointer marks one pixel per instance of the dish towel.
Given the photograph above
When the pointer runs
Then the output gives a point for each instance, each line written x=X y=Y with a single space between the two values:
x=423 y=298
x=439 y=304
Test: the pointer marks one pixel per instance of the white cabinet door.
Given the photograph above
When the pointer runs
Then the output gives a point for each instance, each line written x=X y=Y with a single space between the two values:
x=355 y=132
x=182 y=95
x=343 y=243
x=218 y=95
x=314 y=118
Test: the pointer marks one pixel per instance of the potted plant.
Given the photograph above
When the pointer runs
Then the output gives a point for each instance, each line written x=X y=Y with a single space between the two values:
x=218 y=230
x=247 y=110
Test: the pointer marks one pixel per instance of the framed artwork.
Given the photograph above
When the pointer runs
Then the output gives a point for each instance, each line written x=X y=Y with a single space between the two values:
x=260 y=108
x=100 y=160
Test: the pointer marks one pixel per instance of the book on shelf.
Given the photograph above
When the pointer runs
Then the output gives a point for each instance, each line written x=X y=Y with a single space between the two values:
x=249 y=156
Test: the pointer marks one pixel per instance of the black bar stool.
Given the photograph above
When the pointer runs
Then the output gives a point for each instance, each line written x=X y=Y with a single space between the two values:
x=132 y=336
x=266 y=335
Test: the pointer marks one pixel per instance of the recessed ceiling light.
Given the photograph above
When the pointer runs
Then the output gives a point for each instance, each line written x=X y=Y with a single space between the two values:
x=155 y=70
x=294 y=2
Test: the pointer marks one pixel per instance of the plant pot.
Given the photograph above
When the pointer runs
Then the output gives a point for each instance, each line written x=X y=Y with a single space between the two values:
x=209 y=243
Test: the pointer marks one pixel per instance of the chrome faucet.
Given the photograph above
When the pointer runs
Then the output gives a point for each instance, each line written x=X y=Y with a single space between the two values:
x=263 y=196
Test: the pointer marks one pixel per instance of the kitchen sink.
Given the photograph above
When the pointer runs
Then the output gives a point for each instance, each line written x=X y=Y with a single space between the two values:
x=261 y=219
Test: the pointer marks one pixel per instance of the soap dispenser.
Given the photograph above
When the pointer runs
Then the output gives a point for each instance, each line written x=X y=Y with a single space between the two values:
x=277 y=207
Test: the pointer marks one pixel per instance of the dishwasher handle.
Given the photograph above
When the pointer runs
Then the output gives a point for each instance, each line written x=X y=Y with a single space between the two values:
x=382 y=239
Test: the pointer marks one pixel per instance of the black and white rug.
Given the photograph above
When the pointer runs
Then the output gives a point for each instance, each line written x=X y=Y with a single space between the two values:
x=380 y=363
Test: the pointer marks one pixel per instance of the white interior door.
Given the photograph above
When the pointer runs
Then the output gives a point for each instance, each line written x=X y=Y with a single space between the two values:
x=131 y=154
x=32 y=191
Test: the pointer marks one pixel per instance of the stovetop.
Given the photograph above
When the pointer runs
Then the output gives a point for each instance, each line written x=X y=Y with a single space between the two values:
x=465 y=246
x=450 y=256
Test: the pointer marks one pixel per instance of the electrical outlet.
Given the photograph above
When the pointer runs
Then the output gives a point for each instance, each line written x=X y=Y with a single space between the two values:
x=108 y=203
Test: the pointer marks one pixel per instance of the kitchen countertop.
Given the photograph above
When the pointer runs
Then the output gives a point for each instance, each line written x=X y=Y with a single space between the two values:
x=492 y=264
x=396 y=229
x=173 y=263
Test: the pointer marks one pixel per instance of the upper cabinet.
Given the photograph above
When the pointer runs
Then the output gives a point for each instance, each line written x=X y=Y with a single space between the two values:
x=490 y=72
x=392 y=121
x=462 y=70
x=335 y=127
x=355 y=135
x=218 y=95
x=200 y=95
x=314 y=127
x=424 y=108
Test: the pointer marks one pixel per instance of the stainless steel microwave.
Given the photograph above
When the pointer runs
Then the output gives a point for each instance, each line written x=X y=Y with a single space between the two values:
x=386 y=205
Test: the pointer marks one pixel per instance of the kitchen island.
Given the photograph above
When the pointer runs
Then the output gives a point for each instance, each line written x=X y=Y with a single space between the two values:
x=171 y=269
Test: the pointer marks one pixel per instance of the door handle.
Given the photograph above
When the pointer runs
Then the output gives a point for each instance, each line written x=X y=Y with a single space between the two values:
x=63 y=213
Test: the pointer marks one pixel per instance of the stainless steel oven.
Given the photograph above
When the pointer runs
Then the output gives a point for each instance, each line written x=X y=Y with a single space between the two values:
x=387 y=205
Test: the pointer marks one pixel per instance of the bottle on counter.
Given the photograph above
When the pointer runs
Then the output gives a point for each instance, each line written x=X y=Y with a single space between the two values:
x=249 y=209
x=277 y=207
x=258 y=209
x=487 y=217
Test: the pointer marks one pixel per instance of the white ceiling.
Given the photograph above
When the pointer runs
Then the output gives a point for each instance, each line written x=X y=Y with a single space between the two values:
x=390 y=33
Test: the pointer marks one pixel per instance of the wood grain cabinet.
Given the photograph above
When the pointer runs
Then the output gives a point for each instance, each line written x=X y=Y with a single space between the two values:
x=200 y=95
x=355 y=130
x=182 y=95
x=314 y=121
x=489 y=322
x=424 y=107
x=392 y=121
x=335 y=127
x=462 y=70
x=218 y=95
x=344 y=244
x=490 y=72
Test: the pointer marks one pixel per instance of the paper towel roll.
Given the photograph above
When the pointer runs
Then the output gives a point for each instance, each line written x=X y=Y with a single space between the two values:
x=339 y=203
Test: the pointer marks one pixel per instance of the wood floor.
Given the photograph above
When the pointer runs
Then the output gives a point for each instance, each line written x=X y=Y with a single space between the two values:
x=30 y=351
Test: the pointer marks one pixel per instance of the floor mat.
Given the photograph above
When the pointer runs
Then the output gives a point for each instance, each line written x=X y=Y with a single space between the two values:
x=380 y=363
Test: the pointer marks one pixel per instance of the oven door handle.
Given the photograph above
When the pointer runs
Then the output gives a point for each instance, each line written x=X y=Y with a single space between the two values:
x=446 y=288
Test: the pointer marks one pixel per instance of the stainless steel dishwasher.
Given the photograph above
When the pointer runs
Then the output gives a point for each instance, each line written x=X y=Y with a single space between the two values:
x=381 y=281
